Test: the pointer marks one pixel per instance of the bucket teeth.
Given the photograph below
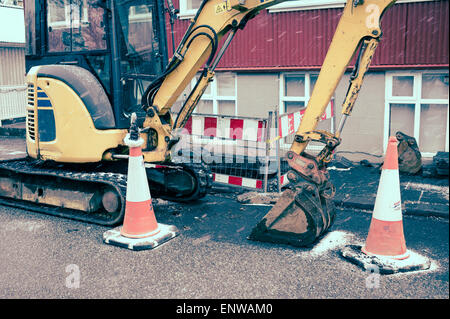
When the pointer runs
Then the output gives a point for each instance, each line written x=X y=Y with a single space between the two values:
x=298 y=218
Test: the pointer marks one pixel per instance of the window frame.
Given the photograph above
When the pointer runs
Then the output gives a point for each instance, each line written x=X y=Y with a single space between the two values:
x=284 y=98
x=416 y=99
x=50 y=52
x=215 y=97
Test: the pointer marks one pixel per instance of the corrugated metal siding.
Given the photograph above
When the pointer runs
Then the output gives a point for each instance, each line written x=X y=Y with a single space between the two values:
x=302 y=39
x=414 y=34
x=391 y=50
x=12 y=65
x=427 y=28
x=12 y=101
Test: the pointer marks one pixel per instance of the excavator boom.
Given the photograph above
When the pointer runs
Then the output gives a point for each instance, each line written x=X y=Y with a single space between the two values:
x=305 y=211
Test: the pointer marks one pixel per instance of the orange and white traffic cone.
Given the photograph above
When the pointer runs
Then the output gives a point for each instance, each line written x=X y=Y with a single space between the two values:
x=386 y=236
x=385 y=246
x=139 y=220
x=140 y=230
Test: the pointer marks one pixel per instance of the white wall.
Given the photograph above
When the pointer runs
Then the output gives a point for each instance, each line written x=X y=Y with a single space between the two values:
x=12 y=25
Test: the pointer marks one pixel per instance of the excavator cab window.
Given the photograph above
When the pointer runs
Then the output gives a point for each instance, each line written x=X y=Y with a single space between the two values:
x=141 y=60
x=75 y=25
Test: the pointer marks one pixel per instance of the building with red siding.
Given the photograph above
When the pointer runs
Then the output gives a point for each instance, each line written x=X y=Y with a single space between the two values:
x=274 y=62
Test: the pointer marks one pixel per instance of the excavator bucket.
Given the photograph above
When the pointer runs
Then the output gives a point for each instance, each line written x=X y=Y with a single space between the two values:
x=301 y=215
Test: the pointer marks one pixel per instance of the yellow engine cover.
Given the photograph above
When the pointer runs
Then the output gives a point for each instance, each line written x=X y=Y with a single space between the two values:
x=60 y=128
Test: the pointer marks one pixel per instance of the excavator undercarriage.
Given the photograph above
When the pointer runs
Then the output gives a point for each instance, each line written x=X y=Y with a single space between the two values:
x=93 y=193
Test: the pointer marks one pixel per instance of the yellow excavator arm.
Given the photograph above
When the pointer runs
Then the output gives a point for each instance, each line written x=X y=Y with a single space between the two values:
x=305 y=210
x=199 y=48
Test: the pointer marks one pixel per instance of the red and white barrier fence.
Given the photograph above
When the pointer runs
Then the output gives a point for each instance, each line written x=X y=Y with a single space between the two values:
x=234 y=129
x=247 y=129
x=238 y=181
x=283 y=180
x=217 y=129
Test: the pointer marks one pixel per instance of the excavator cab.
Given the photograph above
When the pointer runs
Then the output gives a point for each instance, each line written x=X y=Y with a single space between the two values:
x=88 y=64
x=119 y=45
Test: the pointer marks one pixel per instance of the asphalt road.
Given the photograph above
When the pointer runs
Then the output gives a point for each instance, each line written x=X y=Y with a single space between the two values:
x=12 y=147
x=49 y=257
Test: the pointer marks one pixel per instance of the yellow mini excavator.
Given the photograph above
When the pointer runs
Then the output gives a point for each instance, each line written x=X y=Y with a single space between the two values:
x=92 y=63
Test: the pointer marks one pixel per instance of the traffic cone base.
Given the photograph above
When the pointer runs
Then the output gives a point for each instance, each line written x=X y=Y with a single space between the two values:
x=164 y=234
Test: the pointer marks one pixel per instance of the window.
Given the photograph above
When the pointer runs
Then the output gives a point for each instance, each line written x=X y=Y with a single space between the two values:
x=140 y=56
x=417 y=105
x=136 y=22
x=295 y=92
x=139 y=13
x=75 y=25
x=188 y=8
x=66 y=14
x=220 y=95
